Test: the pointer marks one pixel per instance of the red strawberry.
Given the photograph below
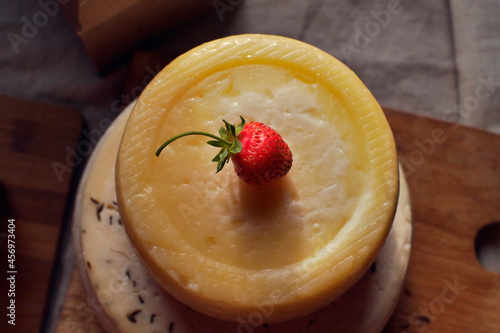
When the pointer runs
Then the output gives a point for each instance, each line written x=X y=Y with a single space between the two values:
x=259 y=153
x=264 y=156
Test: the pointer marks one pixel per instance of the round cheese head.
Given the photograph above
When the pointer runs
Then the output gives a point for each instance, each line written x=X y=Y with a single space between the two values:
x=226 y=248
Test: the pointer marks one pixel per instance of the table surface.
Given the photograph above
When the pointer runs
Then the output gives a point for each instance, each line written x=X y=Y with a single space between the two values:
x=454 y=179
x=35 y=180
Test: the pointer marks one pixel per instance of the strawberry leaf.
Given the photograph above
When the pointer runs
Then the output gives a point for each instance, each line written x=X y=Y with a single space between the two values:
x=233 y=130
x=216 y=143
x=223 y=132
x=223 y=159
x=236 y=147
x=240 y=126
x=229 y=132
x=218 y=156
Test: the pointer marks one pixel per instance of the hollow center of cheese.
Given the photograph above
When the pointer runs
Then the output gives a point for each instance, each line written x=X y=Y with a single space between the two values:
x=256 y=227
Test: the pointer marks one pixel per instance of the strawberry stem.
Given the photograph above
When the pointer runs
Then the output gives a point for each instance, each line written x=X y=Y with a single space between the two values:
x=228 y=142
x=169 y=141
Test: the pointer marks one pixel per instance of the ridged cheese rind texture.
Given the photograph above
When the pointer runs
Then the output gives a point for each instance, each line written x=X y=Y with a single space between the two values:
x=310 y=257
x=118 y=284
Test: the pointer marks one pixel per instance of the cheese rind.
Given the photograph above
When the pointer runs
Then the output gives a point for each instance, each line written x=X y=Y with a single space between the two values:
x=118 y=284
x=224 y=247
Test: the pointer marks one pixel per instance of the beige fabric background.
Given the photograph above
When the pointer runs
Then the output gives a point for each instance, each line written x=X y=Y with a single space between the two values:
x=476 y=32
x=427 y=57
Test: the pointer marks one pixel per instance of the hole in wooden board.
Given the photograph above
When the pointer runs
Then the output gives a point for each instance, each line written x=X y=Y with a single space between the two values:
x=488 y=247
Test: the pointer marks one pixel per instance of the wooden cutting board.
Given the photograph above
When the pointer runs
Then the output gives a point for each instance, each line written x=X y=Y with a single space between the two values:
x=454 y=178
x=34 y=182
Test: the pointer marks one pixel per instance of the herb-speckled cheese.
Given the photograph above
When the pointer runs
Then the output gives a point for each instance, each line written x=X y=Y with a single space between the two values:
x=131 y=301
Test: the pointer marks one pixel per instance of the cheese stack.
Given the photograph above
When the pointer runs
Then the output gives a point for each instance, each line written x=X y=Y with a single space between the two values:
x=127 y=299
x=228 y=249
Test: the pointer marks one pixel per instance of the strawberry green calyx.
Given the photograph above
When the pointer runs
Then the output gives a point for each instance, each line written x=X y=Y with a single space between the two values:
x=227 y=141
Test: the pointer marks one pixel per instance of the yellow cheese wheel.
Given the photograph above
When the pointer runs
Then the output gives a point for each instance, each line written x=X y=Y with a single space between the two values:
x=226 y=248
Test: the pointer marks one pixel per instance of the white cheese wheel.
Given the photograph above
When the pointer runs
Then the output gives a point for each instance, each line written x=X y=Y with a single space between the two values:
x=127 y=299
